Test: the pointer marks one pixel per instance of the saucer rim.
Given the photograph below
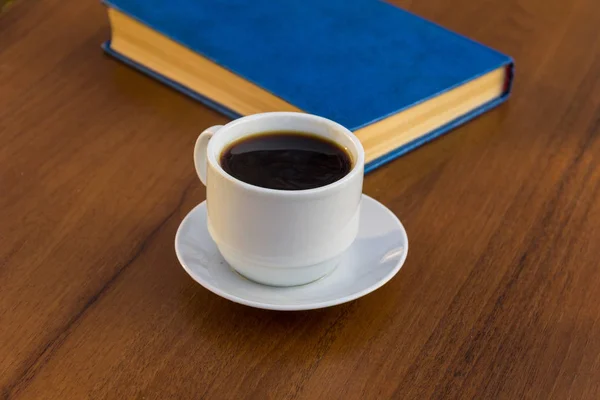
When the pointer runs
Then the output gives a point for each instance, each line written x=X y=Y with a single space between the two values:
x=295 y=307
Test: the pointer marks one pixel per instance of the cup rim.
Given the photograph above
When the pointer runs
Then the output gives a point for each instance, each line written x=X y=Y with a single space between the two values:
x=357 y=168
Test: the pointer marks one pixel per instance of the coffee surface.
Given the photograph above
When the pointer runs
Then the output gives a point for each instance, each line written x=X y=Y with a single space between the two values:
x=286 y=160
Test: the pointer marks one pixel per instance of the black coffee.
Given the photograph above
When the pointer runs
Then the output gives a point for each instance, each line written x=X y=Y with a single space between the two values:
x=286 y=160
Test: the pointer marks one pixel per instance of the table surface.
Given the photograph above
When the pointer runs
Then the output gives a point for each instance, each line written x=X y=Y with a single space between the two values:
x=499 y=297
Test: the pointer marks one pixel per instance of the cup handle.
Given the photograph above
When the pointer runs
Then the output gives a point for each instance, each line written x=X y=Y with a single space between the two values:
x=200 y=154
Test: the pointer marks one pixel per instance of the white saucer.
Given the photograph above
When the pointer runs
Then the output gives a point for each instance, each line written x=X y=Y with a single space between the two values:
x=373 y=259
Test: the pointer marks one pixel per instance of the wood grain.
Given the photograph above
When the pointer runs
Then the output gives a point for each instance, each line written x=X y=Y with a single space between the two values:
x=498 y=298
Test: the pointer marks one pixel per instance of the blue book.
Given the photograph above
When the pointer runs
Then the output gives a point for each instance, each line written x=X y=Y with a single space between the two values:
x=395 y=79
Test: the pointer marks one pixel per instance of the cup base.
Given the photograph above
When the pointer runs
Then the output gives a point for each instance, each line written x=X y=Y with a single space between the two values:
x=282 y=277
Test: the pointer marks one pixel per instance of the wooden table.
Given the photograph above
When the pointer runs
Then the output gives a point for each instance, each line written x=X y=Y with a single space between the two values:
x=499 y=297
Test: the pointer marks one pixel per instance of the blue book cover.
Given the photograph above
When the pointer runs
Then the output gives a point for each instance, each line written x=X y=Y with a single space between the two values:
x=356 y=62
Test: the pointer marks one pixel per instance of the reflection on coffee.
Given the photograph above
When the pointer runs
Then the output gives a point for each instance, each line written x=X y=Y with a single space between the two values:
x=286 y=160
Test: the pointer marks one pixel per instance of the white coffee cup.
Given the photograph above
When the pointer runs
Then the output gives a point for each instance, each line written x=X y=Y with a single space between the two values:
x=280 y=237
